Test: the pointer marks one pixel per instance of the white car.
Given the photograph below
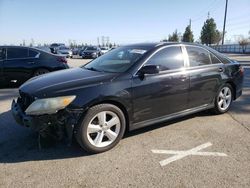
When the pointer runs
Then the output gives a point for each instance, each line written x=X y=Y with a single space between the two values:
x=104 y=50
x=63 y=50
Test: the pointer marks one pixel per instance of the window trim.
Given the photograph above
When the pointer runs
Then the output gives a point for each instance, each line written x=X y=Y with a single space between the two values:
x=10 y=59
x=5 y=54
x=165 y=71
x=208 y=65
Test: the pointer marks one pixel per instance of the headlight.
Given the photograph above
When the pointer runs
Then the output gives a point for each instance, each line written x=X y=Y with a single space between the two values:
x=49 y=105
x=94 y=53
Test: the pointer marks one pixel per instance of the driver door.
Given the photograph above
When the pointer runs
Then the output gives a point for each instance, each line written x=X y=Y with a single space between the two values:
x=158 y=95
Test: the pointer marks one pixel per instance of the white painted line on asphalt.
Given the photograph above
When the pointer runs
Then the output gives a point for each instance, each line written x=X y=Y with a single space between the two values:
x=184 y=153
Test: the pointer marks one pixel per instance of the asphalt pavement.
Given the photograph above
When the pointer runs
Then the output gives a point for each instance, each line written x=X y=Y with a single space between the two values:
x=200 y=150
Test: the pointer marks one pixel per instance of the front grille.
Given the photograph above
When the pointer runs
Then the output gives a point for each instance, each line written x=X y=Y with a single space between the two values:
x=25 y=100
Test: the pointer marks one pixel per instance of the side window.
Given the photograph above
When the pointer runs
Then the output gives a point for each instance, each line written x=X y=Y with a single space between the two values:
x=2 y=53
x=214 y=59
x=198 y=56
x=13 y=53
x=168 y=59
x=33 y=53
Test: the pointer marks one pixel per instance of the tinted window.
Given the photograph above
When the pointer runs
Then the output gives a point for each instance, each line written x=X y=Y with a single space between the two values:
x=118 y=60
x=2 y=53
x=214 y=59
x=198 y=56
x=33 y=53
x=168 y=59
x=13 y=53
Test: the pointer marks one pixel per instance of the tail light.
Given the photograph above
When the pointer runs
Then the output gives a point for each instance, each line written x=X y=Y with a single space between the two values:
x=241 y=69
x=62 y=59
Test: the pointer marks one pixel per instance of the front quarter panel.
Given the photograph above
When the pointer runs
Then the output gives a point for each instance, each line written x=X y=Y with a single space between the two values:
x=117 y=91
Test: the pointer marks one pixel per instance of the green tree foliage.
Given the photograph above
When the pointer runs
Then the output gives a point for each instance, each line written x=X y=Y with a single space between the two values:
x=188 y=35
x=209 y=33
x=174 y=37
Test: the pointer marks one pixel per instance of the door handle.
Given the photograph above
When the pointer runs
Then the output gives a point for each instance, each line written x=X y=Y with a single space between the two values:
x=31 y=62
x=220 y=69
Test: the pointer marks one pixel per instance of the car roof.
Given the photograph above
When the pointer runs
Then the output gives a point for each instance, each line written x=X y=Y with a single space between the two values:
x=158 y=44
x=11 y=46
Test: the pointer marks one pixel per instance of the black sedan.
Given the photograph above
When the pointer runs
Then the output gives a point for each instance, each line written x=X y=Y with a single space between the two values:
x=127 y=88
x=18 y=64
x=91 y=52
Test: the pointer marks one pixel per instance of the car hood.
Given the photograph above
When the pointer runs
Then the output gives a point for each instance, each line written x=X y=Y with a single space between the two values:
x=53 y=84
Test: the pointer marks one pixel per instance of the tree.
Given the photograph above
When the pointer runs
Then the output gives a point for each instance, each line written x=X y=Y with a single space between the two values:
x=243 y=42
x=209 y=33
x=174 y=37
x=188 y=35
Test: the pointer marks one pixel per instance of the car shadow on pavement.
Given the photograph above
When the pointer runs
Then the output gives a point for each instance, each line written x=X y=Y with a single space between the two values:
x=20 y=144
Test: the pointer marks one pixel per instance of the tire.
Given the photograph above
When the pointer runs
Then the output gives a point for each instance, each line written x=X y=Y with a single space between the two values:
x=223 y=99
x=39 y=72
x=96 y=132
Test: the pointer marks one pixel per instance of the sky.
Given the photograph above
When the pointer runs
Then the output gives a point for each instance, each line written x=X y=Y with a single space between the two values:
x=123 y=21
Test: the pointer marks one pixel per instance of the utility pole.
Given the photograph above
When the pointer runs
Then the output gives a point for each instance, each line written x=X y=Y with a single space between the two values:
x=224 y=26
x=190 y=23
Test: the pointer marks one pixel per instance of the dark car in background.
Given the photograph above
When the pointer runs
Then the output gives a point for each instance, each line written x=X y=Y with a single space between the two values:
x=18 y=64
x=128 y=88
x=54 y=47
x=91 y=52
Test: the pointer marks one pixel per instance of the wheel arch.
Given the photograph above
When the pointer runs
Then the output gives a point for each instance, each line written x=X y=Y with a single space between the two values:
x=234 y=88
x=120 y=105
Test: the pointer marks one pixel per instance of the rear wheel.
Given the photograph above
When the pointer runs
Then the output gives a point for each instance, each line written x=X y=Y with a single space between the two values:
x=40 y=72
x=101 y=129
x=223 y=99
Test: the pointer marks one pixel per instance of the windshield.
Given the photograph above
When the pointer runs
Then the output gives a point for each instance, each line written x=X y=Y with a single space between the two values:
x=91 y=48
x=64 y=48
x=118 y=60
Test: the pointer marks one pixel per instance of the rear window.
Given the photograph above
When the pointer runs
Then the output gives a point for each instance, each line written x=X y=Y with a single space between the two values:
x=198 y=56
x=214 y=59
x=14 y=53
x=33 y=53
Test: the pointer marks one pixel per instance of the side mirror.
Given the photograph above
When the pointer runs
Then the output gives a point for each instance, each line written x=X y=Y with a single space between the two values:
x=148 y=69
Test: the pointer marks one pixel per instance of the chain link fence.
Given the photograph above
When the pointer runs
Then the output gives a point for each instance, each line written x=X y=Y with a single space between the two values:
x=232 y=48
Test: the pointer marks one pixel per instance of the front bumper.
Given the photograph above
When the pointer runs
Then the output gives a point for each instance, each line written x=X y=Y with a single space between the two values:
x=89 y=55
x=64 y=120
x=35 y=122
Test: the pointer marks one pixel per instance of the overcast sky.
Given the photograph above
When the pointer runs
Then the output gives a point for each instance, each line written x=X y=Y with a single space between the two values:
x=124 y=21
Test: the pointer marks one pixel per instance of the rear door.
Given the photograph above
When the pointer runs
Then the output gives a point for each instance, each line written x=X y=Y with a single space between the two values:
x=17 y=67
x=205 y=72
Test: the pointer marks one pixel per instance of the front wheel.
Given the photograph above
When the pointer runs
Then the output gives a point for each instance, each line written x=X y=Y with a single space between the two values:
x=223 y=99
x=101 y=129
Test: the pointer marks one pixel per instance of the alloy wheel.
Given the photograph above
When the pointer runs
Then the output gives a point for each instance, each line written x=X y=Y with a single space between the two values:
x=224 y=98
x=103 y=129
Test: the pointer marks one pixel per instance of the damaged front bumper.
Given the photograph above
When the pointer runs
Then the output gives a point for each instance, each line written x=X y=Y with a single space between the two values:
x=58 y=125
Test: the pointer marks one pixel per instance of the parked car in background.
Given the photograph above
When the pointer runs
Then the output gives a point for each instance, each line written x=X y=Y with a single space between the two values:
x=18 y=64
x=65 y=51
x=91 y=52
x=54 y=47
x=44 y=48
x=75 y=51
x=104 y=50
x=81 y=50
x=128 y=88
